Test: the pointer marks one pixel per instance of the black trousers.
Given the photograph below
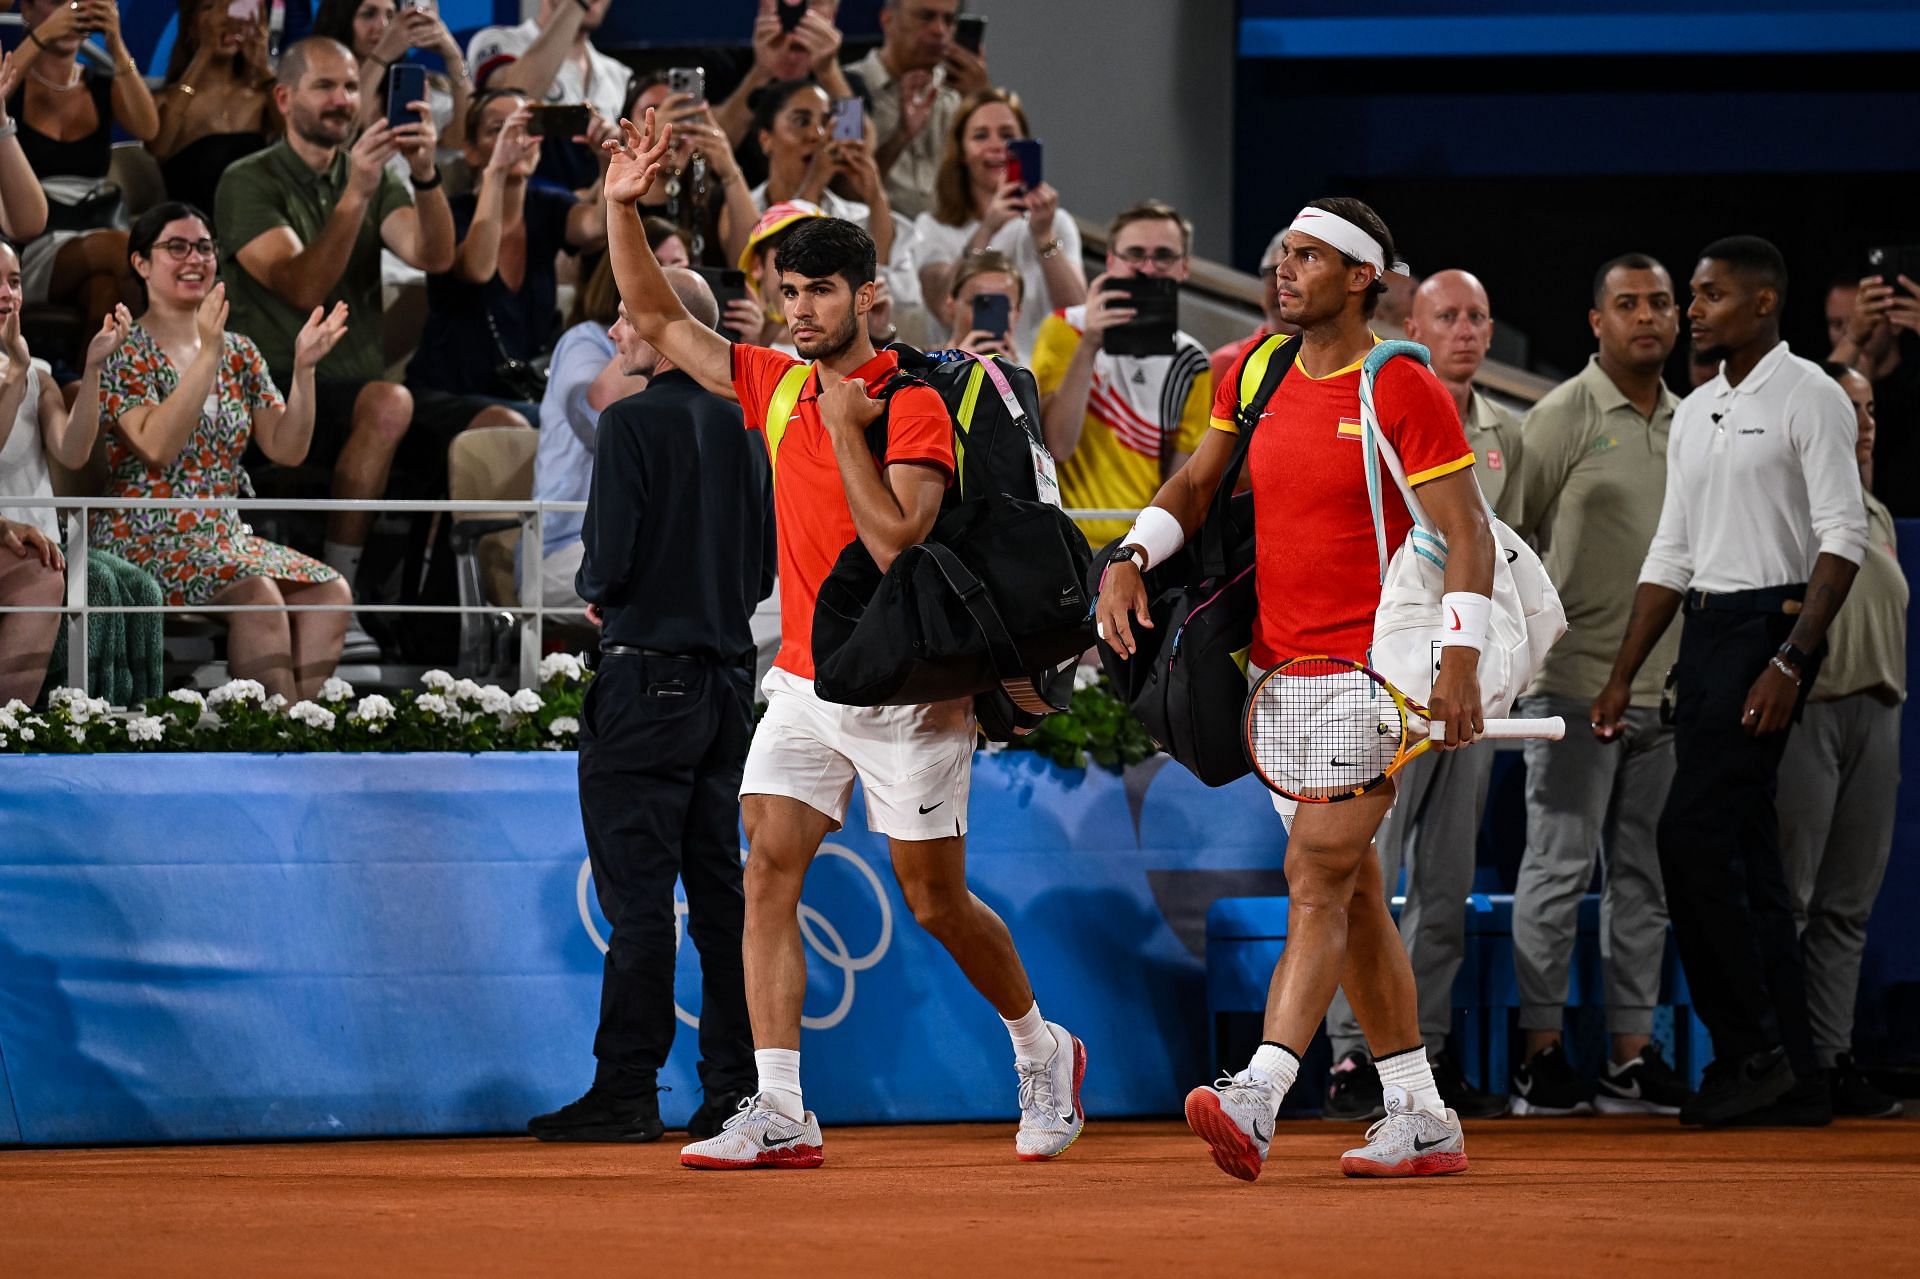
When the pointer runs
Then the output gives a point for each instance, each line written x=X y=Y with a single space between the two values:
x=1719 y=840
x=662 y=745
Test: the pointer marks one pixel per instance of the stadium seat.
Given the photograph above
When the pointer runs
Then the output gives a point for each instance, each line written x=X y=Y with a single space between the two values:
x=488 y=464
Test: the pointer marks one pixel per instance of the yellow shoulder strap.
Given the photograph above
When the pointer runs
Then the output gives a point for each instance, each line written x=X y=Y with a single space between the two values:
x=1254 y=371
x=969 y=399
x=786 y=394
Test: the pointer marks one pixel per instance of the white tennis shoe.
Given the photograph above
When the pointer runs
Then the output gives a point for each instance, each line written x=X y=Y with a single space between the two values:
x=1235 y=1119
x=1409 y=1143
x=758 y=1136
x=1050 y=1113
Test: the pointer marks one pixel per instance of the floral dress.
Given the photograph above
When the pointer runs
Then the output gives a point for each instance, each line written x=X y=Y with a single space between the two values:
x=194 y=554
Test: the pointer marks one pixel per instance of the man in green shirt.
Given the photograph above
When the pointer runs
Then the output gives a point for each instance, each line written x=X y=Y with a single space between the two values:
x=303 y=223
x=1593 y=477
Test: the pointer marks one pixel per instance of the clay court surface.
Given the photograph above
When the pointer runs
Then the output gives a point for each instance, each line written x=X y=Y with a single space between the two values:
x=1543 y=1197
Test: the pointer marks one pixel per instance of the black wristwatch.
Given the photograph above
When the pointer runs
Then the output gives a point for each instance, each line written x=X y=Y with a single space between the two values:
x=1792 y=656
x=1128 y=554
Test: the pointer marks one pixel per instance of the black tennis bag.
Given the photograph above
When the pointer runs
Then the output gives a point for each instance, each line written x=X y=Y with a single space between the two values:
x=993 y=605
x=1187 y=682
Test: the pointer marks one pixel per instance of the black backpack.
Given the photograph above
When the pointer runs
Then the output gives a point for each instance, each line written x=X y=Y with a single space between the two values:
x=1187 y=682
x=993 y=605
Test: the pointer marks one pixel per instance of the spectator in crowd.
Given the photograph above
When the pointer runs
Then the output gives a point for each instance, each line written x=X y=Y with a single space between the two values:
x=1838 y=783
x=23 y=204
x=810 y=51
x=182 y=396
x=66 y=111
x=1433 y=829
x=1761 y=532
x=1842 y=296
x=1882 y=341
x=709 y=200
x=757 y=262
x=679 y=546
x=305 y=220
x=793 y=123
x=491 y=316
x=987 y=274
x=217 y=106
x=1270 y=321
x=976 y=208
x=915 y=84
x=1592 y=480
x=586 y=375
x=1119 y=425
x=550 y=58
x=124 y=651
x=1396 y=302
x=381 y=34
x=33 y=574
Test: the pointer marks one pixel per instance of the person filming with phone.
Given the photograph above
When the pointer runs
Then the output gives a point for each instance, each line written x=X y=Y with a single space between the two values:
x=986 y=305
x=1124 y=394
x=915 y=83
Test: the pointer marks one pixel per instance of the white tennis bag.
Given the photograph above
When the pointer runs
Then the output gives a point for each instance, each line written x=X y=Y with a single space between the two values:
x=1527 y=617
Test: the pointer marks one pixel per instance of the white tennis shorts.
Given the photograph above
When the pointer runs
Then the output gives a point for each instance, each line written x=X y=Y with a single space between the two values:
x=916 y=762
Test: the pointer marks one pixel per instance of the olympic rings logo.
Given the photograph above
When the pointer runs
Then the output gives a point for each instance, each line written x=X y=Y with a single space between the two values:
x=819 y=932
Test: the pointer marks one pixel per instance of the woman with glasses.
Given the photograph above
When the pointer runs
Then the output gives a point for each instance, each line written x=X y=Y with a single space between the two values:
x=181 y=397
x=217 y=106
x=976 y=207
x=66 y=111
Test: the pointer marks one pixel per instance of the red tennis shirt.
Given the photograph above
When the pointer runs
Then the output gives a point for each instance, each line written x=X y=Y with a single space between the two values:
x=1317 y=572
x=812 y=520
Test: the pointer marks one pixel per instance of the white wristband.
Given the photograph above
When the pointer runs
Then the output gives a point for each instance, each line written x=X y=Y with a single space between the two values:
x=1156 y=532
x=1463 y=620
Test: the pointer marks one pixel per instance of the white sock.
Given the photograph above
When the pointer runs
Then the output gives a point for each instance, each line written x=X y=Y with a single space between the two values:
x=1277 y=1066
x=1410 y=1072
x=1032 y=1041
x=780 y=1080
x=344 y=559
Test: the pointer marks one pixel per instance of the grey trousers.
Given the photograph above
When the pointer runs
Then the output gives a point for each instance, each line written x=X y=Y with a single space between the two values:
x=1434 y=831
x=1588 y=799
x=1838 y=783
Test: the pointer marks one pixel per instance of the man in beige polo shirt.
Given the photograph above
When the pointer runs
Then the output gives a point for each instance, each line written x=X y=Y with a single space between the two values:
x=1594 y=476
x=1433 y=829
x=915 y=81
x=1839 y=781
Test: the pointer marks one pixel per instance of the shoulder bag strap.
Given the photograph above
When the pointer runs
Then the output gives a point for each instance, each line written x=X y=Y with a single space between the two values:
x=786 y=394
x=1265 y=368
x=1425 y=539
x=1026 y=692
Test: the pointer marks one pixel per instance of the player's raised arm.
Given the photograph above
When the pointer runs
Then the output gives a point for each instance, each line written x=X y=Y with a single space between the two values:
x=652 y=306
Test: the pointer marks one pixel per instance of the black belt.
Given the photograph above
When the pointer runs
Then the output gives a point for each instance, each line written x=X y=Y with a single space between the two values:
x=747 y=659
x=1767 y=599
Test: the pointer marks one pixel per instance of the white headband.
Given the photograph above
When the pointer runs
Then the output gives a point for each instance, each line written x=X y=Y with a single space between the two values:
x=1346 y=237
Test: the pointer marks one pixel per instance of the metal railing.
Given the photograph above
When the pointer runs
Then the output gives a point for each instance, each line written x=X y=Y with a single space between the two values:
x=531 y=616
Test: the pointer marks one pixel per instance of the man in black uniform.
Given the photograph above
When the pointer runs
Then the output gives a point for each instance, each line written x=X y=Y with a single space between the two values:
x=678 y=549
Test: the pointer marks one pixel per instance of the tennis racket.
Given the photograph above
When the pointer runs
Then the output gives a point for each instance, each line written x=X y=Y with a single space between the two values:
x=1323 y=729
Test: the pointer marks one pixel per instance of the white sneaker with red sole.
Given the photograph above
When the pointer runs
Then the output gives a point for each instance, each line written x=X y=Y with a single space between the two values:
x=758 y=1136
x=1235 y=1119
x=1050 y=1113
x=1409 y=1143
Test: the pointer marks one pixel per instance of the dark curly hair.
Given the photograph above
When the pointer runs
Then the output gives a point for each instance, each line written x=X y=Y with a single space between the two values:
x=820 y=247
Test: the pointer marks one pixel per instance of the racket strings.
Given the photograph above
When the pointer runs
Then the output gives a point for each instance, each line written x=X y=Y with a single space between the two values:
x=1322 y=728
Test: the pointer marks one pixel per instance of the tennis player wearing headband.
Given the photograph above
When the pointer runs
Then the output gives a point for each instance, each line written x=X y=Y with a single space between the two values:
x=1317 y=579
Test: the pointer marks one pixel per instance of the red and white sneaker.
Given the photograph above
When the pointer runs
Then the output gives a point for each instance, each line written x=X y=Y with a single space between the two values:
x=1409 y=1143
x=1050 y=1113
x=758 y=1136
x=1235 y=1119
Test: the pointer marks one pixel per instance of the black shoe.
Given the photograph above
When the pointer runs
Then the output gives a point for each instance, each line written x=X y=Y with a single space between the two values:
x=1647 y=1085
x=1856 y=1098
x=1546 y=1085
x=1462 y=1097
x=1807 y=1104
x=713 y=1112
x=602 y=1115
x=1735 y=1088
x=1353 y=1090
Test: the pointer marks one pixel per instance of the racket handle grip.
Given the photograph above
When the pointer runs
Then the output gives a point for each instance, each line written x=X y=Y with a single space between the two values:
x=1552 y=729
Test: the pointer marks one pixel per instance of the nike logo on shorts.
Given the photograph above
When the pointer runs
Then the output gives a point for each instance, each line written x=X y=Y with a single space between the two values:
x=930 y=807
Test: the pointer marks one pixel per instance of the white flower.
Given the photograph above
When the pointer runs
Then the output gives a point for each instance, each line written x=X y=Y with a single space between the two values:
x=79 y=732
x=188 y=696
x=438 y=681
x=431 y=703
x=7 y=722
x=373 y=709
x=26 y=734
x=15 y=706
x=145 y=728
x=565 y=726
x=495 y=701
x=336 y=690
x=465 y=690
x=1085 y=677
x=238 y=690
x=62 y=695
x=312 y=715
x=377 y=726
x=560 y=664
x=208 y=721
x=527 y=702
x=276 y=703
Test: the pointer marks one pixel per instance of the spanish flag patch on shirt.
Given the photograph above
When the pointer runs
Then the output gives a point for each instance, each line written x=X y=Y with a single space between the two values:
x=1349 y=429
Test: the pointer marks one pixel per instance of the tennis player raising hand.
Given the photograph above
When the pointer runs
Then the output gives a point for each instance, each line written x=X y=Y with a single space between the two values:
x=1317 y=579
